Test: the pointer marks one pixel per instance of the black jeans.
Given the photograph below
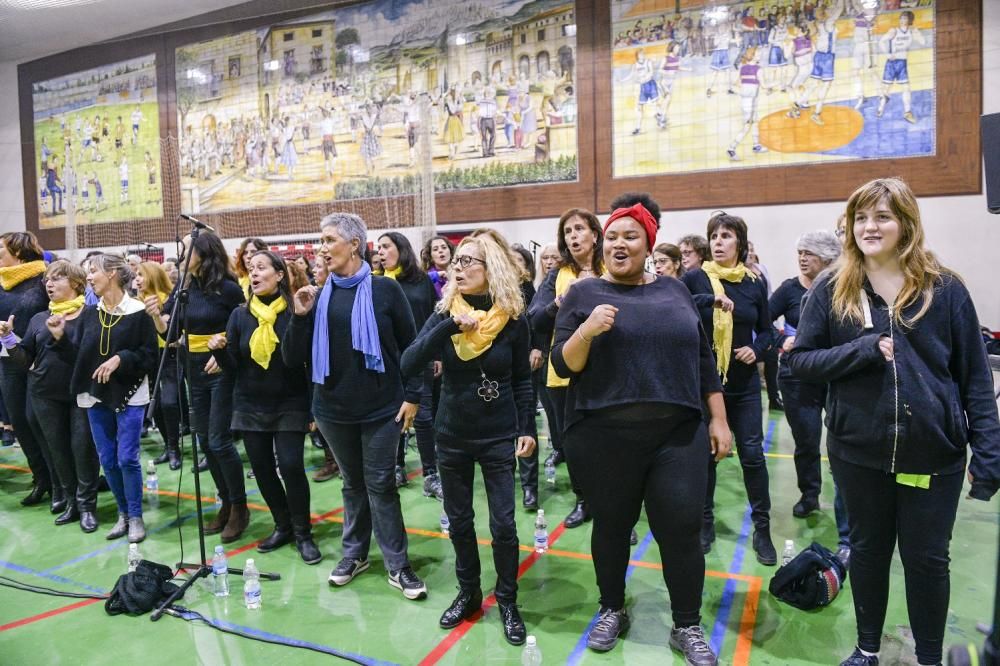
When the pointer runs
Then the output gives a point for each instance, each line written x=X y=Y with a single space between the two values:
x=557 y=395
x=288 y=501
x=167 y=412
x=211 y=416
x=804 y=412
x=457 y=462
x=660 y=463
x=880 y=512
x=423 y=426
x=66 y=432
x=771 y=375
x=744 y=413
x=14 y=385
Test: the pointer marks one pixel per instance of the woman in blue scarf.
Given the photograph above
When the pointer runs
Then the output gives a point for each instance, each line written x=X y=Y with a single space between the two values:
x=352 y=333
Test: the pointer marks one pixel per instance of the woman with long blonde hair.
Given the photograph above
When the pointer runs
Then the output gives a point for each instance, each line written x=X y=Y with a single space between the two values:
x=486 y=413
x=896 y=337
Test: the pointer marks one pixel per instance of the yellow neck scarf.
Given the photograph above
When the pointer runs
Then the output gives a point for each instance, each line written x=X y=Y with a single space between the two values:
x=471 y=344
x=264 y=340
x=564 y=280
x=11 y=276
x=245 y=283
x=722 y=322
x=66 y=307
x=392 y=272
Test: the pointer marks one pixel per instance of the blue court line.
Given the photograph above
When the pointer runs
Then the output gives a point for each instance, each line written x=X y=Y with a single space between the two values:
x=48 y=576
x=735 y=566
x=581 y=645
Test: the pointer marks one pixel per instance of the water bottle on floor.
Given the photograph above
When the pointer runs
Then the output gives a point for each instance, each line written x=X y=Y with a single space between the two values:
x=541 y=532
x=531 y=656
x=445 y=523
x=251 y=588
x=550 y=472
x=220 y=573
x=152 y=486
x=133 y=556
x=788 y=554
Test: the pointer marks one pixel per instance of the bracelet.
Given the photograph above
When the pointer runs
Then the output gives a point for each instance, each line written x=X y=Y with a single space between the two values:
x=583 y=337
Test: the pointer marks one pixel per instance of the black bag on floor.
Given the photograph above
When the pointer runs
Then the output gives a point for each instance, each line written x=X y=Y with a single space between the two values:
x=142 y=590
x=811 y=580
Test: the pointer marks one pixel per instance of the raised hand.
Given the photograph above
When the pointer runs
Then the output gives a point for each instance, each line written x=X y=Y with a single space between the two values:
x=56 y=325
x=6 y=327
x=305 y=299
x=601 y=319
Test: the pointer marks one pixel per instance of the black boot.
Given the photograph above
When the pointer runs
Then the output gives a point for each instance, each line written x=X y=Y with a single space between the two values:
x=578 y=516
x=281 y=536
x=465 y=605
x=36 y=496
x=307 y=548
x=530 y=498
x=88 y=521
x=69 y=515
x=162 y=458
x=174 y=456
x=764 y=547
x=513 y=625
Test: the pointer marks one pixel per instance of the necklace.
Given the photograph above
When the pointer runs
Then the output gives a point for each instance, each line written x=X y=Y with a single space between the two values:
x=489 y=390
x=108 y=321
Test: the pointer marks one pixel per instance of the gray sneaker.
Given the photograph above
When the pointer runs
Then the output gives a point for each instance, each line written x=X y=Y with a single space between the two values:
x=136 y=529
x=610 y=625
x=346 y=570
x=690 y=641
x=432 y=487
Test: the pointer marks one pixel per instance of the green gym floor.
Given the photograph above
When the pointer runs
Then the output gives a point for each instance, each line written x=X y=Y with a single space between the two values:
x=371 y=621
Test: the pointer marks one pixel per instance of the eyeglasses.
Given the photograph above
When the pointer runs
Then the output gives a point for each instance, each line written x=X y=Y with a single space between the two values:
x=660 y=262
x=687 y=253
x=465 y=261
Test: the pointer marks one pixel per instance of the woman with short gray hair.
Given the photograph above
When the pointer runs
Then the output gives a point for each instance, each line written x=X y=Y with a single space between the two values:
x=352 y=334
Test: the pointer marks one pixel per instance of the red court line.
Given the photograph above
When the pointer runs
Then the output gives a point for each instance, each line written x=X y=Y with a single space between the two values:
x=458 y=632
x=48 y=614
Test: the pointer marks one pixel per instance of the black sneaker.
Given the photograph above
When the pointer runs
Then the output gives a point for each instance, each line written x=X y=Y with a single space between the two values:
x=410 y=584
x=690 y=641
x=609 y=626
x=805 y=506
x=764 y=547
x=859 y=659
x=346 y=570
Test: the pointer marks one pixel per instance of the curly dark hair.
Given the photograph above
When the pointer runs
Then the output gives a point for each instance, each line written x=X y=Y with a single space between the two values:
x=425 y=253
x=213 y=264
x=629 y=199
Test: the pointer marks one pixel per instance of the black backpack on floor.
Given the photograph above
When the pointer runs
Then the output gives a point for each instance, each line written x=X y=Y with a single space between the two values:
x=811 y=580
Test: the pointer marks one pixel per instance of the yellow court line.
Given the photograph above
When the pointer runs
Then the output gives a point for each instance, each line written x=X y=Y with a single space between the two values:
x=789 y=455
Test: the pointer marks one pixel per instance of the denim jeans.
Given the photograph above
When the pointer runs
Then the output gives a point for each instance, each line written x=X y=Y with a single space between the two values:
x=211 y=416
x=366 y=455
x=14 y=385
x=66 y=431
x=457 y=461
x=804 y=412
x=117 y=438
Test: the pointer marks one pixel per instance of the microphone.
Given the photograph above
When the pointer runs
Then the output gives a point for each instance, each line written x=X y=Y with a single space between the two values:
x=198 y=223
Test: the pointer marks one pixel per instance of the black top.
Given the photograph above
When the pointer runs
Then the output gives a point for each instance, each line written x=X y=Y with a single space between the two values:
x=940 y=380
x=786 y=301
x=24 y=300
x=352 y=393
x=49 y=375
x=421 y=296
x=751 y=321
x=133 y=340
x=542 y=311
x=528 y=294
x=462 y=413
x=646 y=357
x=208 y=312
x=280 y=388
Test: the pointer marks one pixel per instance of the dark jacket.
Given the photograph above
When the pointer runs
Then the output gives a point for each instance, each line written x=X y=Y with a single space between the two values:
x=24 y=300
x=917 y=413
x=49 y=375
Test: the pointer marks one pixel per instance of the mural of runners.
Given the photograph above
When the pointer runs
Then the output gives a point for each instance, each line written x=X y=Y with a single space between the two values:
x=97 y=144
x=334 y=105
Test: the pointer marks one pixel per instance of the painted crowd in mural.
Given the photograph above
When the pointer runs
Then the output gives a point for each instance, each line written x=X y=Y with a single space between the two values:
x=336 y=105
x=710 y=86
x=97 y=144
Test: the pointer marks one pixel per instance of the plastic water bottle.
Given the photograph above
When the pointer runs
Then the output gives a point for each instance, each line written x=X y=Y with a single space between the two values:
x=788 y=554
x=133 y=556
x=251 y=588
x=531 y=656
x=220 y=573
x=541 y=532
x=550 y=472
x=445 y=523
x=152 y=486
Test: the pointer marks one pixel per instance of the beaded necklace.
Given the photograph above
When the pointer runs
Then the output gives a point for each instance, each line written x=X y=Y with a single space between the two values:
x=108 y=321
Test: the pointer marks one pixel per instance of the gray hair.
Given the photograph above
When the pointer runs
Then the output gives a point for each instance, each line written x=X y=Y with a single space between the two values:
x=350 y=227
x=114 y=263
x=824 y=244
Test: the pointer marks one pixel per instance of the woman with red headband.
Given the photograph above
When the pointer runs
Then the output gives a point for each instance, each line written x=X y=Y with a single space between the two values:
x=652 y=415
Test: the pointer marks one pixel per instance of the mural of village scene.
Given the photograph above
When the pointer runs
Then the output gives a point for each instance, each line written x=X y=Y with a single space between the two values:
x=701 y=86
x=335 y=105
x=97 y=144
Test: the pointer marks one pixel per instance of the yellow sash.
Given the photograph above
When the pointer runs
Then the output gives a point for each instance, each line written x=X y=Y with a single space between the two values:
x=722 y=322
x=11 y=276
x=264 y=340
x=471 y=344
x=198 y=344
x=66 y=307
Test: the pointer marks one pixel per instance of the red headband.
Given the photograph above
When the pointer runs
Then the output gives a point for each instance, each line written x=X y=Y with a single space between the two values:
x=638 y=213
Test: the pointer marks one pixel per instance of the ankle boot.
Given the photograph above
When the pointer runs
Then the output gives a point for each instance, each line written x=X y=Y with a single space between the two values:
x=162 y=458
x=239 y=518
x=71 y=514
x=174 y=456
x=36 y=496
x=136 y=529
x=578 y=516
x=307 y=548
x=120 y=528
x=219 y=522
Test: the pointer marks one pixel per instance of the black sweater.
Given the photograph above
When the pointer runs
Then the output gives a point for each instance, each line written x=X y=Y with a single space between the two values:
x=646 y=357
x=49 y=376
x=750 y=319
x=133 y=340
x=208 y=312
x=421 y=296
x=24 y=301
x=940 y=379
x=352 y=393
x=786 y=301
x=278 y=389
x=462 y=414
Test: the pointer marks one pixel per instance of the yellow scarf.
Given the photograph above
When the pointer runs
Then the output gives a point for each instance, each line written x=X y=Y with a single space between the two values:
x=11 y=276
x=722 y=322
x=198 y=344
x=564 y=280
x=66 y=307
x=245 y=283
x=471 y=344
x=264 y=340
x=392 y=272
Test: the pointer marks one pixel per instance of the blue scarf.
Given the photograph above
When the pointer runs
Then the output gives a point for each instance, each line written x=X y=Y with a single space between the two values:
x=364 y=328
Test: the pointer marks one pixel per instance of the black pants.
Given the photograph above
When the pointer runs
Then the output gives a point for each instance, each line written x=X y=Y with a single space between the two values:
x=66 y=432
x=744 y=413
x=804 y=413
x=211 y=416
x=660 y=463
x=423 y=426
x=880 y=512
x=288 y=501
x=14 y=384
x=167 y=411
x=771 y=375
x=457 y=464
x=557 y=395
x=528 y=467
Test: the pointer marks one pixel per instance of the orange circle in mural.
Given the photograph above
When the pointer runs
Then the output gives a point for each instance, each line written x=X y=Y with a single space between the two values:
x=841 y=125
